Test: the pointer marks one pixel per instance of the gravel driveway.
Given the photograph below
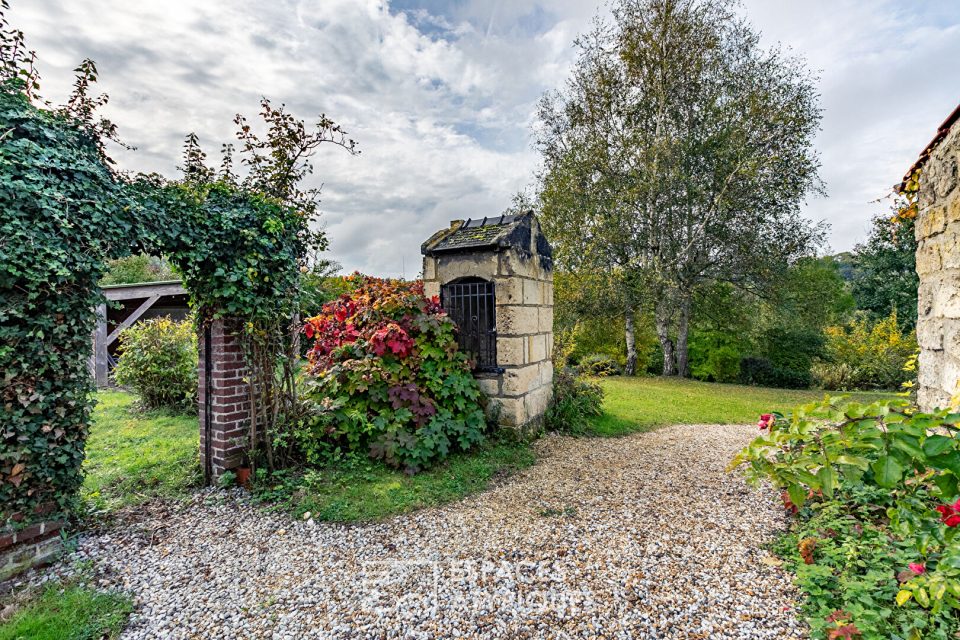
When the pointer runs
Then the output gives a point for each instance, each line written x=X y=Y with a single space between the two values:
x=638 y=537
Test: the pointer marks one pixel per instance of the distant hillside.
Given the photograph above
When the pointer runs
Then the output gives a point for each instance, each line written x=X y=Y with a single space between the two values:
x=846 y=264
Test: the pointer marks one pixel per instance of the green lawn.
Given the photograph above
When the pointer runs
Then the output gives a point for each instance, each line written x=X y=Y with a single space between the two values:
x=641 y=404
x=133 y=457
x=69 y=613
x=361 y=489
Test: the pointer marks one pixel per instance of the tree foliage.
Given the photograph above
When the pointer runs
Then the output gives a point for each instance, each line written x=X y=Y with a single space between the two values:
x=677 y=156
x=885 y=275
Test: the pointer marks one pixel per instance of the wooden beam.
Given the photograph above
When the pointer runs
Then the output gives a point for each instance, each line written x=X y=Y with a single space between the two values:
x=100 y=348
x=133 y=317
x=132 y=292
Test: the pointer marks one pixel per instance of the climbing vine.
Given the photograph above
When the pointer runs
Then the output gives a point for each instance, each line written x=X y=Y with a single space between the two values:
x=239 y=244
x=64 y=214
x=909 y=191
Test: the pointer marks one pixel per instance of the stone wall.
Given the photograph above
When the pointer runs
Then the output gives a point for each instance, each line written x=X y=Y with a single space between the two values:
x=938 y=264
x=224 y=430
x=523 y=290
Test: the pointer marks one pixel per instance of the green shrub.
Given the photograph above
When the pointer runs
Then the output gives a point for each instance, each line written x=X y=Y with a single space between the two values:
x=792 y=348
x=599 y=364
x=761 y=372
x=721 y=365
x=574 y=402
x=386 y=377
x=875 y=353
x=158 y=360
x=836 y=376
x=714 y=355
x=875 y=488
x=605 y=336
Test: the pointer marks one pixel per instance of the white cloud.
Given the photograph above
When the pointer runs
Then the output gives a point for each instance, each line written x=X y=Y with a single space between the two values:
x=441 y=95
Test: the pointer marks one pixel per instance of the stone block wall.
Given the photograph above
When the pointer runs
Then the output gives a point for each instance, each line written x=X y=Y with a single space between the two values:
x=938 y=265
x=33 y=545
x=523 y=290
x=224 y=400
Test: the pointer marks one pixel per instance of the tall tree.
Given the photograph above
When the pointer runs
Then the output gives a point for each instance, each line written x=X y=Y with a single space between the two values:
x=885 y=275
x=677 y=156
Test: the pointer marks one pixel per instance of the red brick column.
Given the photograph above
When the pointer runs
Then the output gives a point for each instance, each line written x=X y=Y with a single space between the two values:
x=224 y=400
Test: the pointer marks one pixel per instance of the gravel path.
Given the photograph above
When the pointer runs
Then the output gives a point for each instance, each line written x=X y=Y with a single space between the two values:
x=637 y=537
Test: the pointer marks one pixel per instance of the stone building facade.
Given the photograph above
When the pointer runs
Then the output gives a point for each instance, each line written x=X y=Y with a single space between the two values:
x=938 y=265
x=495 y=278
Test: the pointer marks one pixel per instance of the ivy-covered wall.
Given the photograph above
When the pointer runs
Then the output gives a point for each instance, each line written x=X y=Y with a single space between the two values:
x=62 y=215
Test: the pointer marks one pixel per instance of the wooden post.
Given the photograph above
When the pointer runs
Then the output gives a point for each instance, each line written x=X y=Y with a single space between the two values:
x=100 y=347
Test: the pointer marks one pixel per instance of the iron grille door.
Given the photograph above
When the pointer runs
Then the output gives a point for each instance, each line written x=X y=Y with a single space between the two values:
x=471 y=305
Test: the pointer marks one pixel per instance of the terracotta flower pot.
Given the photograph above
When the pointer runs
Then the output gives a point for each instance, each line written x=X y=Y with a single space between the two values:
x=243 y=476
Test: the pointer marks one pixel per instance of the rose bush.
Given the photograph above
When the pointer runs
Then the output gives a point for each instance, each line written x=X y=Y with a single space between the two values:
x=386 y=376
x=875 y=491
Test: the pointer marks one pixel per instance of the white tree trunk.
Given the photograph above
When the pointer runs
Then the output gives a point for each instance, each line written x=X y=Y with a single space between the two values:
x=664 y=318
x=683 y=331
x=629 y=334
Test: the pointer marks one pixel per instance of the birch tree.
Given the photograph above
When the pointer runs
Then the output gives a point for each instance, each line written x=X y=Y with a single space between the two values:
x=678 y=155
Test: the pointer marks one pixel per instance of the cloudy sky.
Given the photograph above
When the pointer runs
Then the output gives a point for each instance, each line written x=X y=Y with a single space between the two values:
x=441 y=94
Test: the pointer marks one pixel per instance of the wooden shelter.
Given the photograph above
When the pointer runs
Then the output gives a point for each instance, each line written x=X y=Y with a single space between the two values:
x=128 y=303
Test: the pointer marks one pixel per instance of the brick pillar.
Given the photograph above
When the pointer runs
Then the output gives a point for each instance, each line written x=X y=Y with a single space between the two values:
x=224 y=400
x=34 y=545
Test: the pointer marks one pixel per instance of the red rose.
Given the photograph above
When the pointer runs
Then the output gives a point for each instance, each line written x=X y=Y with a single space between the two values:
x=950 y=513
x=766 y=421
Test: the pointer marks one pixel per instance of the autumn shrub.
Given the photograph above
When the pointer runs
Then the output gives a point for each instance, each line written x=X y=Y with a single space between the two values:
x=386 y=377
x=575 y=401
x=874 y=490
x=865 y=355
x=158 y=360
